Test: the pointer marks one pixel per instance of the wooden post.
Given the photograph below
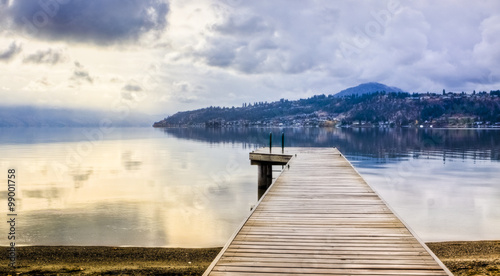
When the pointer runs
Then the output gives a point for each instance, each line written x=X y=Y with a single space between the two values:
x=265 y=162
x=265 y=175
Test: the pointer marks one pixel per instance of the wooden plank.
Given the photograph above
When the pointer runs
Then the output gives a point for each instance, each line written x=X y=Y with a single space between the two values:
x=334 y=239
x=325 y=257
x=266 y=157
x=320 y=217
x=330 y=265
x=346 y=260
x=329 y=251
x=301 y=242
x=337 y=272
x=340 y=271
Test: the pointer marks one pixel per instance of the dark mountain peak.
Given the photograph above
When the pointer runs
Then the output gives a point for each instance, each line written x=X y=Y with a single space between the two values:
x=367 y=88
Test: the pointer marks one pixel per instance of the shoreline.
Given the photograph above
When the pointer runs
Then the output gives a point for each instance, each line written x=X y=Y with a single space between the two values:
x=461 y=257
x=340 y=127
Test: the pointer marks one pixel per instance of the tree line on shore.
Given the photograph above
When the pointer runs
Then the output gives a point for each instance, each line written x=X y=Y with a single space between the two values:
x=371 y=109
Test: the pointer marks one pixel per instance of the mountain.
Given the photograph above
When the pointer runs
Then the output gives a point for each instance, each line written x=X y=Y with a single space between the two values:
x=30 y=116
x=366 y=88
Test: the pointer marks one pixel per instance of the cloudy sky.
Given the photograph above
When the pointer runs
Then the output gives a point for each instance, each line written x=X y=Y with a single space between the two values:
x=160 y=56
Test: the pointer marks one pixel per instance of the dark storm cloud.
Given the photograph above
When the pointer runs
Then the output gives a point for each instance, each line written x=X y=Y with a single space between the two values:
x=97 y=21
x=9 y=53
x=49 y=56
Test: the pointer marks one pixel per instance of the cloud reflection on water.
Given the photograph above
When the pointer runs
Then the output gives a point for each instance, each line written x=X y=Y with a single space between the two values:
x=192 y=187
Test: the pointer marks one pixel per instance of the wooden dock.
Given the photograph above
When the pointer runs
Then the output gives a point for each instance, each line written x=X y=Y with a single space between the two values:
x=319 y=217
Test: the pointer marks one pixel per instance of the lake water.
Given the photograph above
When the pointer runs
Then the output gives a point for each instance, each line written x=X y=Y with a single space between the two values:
x=192 y=187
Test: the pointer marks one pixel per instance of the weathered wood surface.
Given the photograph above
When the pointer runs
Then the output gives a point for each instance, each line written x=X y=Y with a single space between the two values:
x=266 y=156
x=321 y=218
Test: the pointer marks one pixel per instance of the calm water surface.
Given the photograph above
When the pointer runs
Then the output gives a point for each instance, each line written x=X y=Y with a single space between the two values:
x=193 y=187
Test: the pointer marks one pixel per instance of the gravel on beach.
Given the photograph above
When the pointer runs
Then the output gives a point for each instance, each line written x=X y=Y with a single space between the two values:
x=99 y=260
x=469 y=257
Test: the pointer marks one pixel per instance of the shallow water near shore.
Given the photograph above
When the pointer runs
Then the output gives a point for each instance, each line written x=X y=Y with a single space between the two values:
x=193 y=187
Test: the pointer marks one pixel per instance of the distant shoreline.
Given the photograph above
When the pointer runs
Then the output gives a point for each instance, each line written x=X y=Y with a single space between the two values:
x=461 y=257
x=345 y=126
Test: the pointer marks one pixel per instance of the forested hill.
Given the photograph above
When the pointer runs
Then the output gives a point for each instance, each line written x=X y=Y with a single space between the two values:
x=367 y=88
x=379 y=108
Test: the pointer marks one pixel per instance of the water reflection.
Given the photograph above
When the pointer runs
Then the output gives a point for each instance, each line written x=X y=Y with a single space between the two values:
x=191 y=187
x=381 y=143
x=458 y=200
x=154 y=191
x=129 y=163
x=80 y=176
x=442 y=182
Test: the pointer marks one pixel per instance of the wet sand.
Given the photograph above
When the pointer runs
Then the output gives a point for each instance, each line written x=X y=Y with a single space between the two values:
x=462 y=258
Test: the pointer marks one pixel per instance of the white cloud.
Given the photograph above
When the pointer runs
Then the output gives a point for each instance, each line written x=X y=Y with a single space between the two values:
x=42 y=84
x=190 y=54
x=487 y=52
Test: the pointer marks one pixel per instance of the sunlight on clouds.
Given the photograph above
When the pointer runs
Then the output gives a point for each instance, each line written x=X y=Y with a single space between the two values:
x=72 y=76
x=189 y=25
x=193 y=54
x=41 y=84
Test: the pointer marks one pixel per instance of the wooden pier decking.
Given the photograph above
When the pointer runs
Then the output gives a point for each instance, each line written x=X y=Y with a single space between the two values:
x=319 y=217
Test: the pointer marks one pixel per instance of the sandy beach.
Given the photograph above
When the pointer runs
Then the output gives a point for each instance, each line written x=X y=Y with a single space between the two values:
x=469 y=258
x=462 y=258
x=96 y=260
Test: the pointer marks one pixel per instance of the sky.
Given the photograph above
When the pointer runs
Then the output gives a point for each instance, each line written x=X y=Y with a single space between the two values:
x=160 y=57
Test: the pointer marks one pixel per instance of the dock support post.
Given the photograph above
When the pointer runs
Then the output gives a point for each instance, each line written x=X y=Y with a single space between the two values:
x=265 y=162
x=265 y=175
